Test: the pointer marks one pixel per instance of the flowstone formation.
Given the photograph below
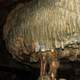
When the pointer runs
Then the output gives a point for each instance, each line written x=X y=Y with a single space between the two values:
x=43 y=25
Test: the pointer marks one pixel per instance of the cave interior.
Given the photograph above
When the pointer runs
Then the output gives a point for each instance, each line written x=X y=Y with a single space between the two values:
x=10 y=69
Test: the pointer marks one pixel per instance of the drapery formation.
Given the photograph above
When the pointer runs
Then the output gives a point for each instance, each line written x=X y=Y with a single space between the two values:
x=42 y=24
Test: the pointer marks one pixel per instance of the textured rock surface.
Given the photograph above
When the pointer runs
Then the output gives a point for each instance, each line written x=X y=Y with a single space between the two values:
x=42 y=24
